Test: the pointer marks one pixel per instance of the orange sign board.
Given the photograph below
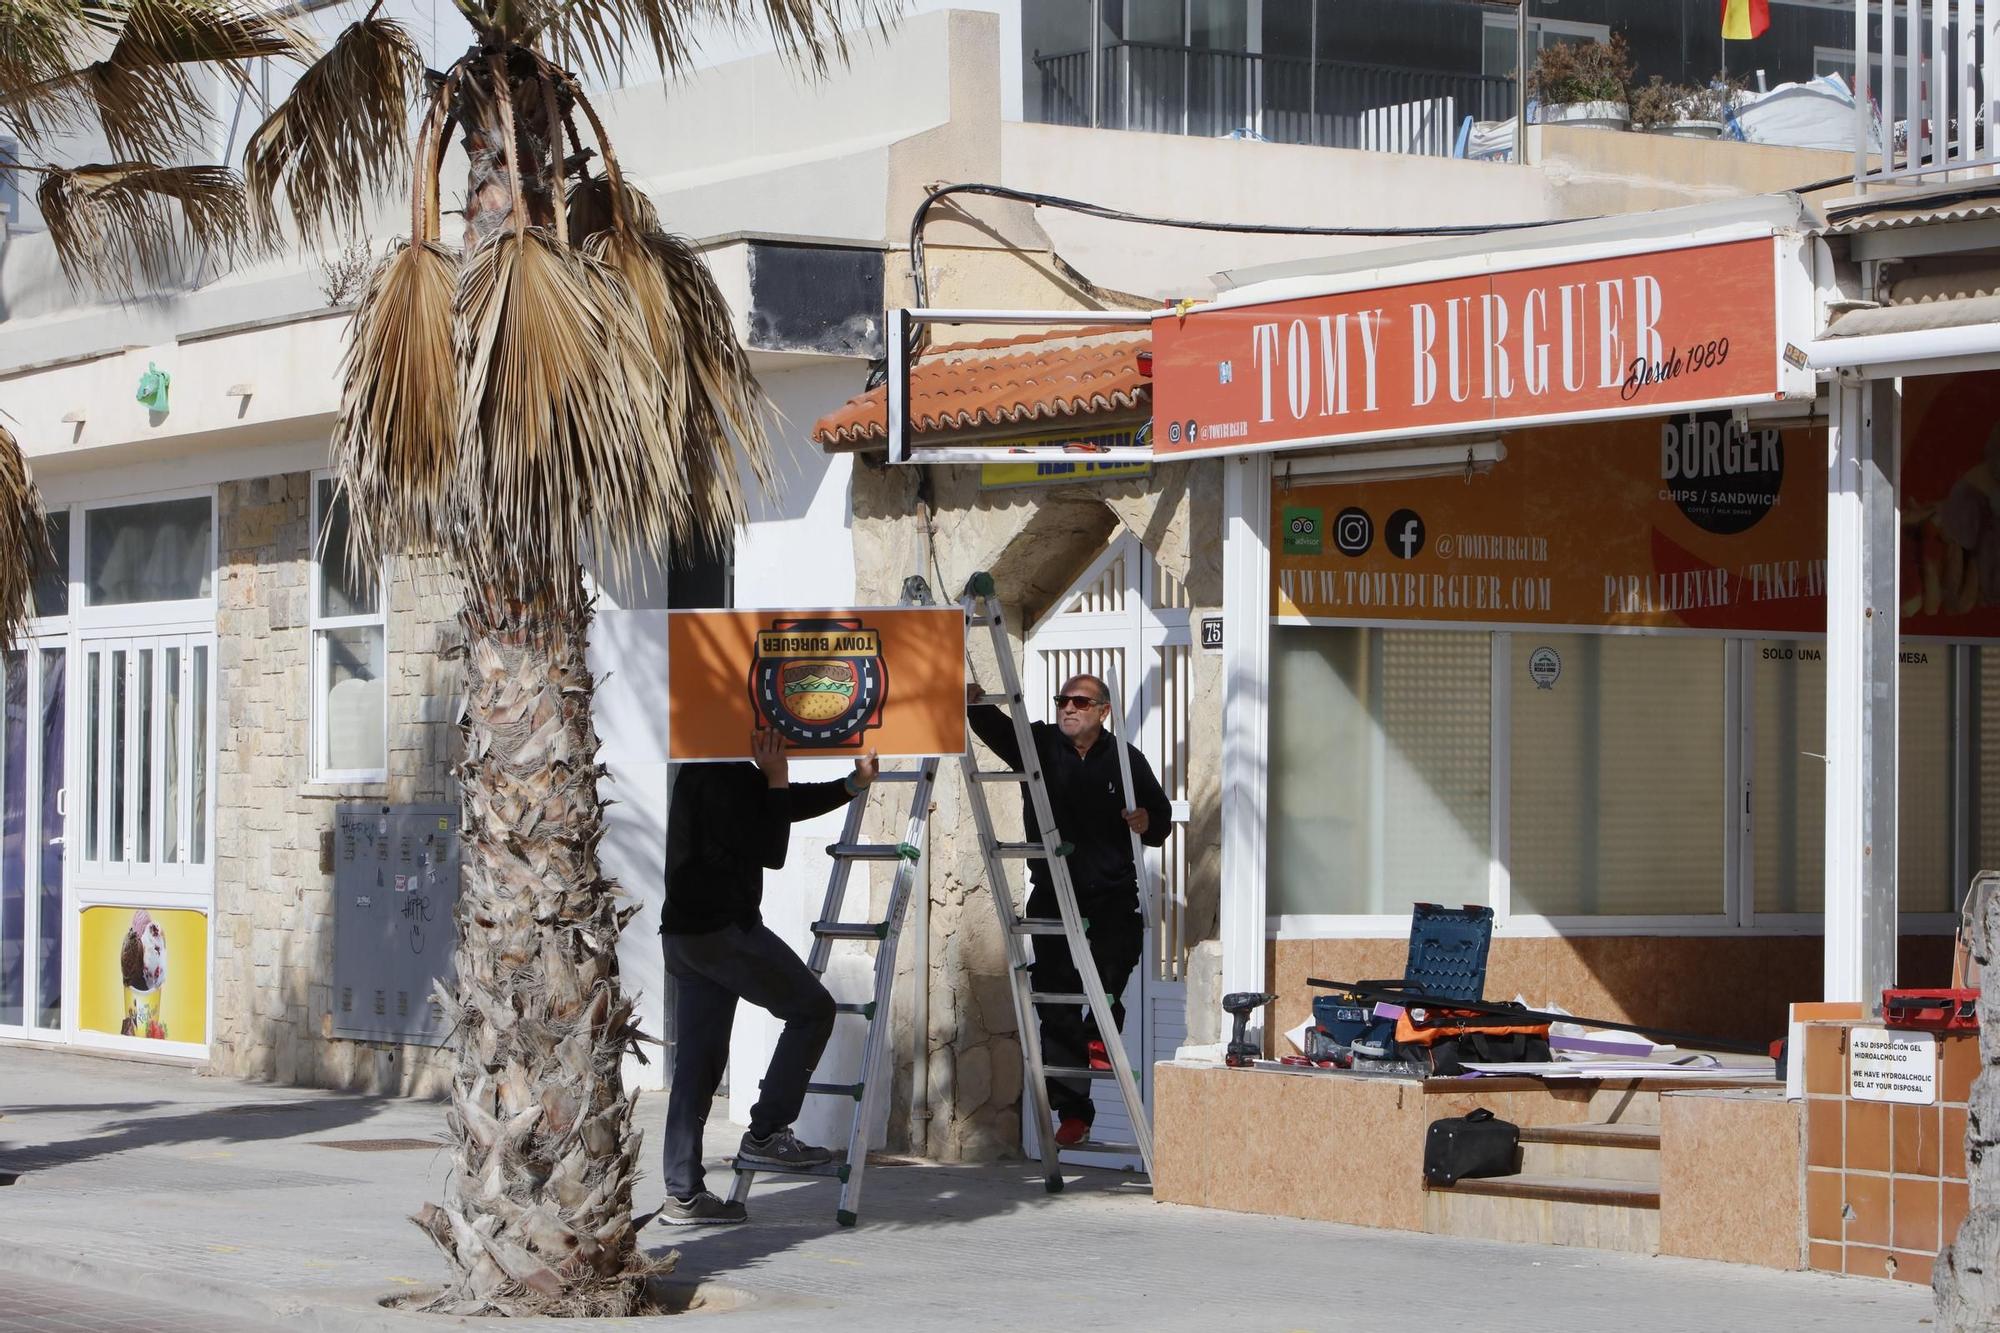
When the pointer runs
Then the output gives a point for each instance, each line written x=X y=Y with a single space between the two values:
x=835 y=681
x=1677 y=523
x=1592 y=339
x=1688 y=522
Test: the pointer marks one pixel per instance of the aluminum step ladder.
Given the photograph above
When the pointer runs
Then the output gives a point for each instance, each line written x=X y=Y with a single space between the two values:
x=867 y=1090
x=983 y=611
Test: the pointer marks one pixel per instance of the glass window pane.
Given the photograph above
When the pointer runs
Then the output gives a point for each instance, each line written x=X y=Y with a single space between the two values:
x=13 y=835
x=1617 y=796
x=170 y=768
x=1788 y=776
x=1986 y=761
x=142 y=830
x=355 y=737
x=198 y=757
x=155 y=552
x=343 y=590
x=120 y=688
x=54 y=765
x=1381 y=769
x=93 y=704
x=52 y=573
x=1923 y=780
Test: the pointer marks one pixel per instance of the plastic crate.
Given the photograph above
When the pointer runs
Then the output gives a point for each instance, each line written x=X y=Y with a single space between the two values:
x=1448 y=947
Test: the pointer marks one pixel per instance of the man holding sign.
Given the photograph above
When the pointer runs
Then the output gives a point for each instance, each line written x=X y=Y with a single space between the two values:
x=727 y=825
x=1081 y=768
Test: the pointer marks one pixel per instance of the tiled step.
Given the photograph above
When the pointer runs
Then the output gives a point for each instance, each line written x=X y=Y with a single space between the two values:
x=1625 y=1152
x=1588 y=1212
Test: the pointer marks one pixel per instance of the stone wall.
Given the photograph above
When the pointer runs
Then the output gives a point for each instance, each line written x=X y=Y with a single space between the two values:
x=273 y=962
x=1035 y=543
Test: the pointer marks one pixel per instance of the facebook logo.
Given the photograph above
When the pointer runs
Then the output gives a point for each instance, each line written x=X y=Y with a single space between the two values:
x=1404 y=534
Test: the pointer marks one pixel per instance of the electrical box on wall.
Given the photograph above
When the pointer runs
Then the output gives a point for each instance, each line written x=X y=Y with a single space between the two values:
x=395 y=884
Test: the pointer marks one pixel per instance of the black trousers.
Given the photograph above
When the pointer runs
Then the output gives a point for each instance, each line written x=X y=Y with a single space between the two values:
x=710 y=973
x=1117 y=933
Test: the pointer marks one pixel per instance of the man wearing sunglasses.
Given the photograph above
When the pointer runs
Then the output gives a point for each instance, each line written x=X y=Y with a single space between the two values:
x=1087 y=797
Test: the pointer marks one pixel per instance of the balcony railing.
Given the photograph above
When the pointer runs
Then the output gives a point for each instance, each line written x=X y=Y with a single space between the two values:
x=1927 y=89
x=1330 y=103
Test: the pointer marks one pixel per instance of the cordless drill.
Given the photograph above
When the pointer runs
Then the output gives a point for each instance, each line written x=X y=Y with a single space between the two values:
x=1240 y=1005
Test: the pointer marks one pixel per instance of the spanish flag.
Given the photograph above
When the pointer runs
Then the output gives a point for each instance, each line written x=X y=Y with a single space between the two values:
x=1743 y=20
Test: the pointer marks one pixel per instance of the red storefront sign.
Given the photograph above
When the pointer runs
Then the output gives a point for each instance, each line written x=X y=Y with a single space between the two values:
x=1699 y=326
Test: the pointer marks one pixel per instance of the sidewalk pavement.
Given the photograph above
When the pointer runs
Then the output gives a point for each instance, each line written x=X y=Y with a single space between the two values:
x=198 y=1193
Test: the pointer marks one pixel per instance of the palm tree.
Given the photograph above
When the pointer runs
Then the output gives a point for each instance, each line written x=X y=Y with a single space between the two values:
x=129 y=76
x=566 y=384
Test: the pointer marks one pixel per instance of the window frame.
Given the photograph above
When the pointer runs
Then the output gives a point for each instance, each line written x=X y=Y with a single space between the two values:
x=319 y=625
x=141 y=616
x=1738 y=917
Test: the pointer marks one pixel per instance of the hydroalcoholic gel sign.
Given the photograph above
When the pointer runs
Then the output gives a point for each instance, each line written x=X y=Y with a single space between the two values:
x=1889 y=1066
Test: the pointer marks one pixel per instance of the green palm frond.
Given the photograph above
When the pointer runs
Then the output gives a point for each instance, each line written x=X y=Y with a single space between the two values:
x=109 y=219
x=342 y=135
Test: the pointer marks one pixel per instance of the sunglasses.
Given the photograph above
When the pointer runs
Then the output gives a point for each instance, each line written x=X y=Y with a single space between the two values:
x=1078 y=701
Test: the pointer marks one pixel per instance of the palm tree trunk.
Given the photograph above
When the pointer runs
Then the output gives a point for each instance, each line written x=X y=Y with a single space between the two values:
x=538 y=1210
x=1966 y=1279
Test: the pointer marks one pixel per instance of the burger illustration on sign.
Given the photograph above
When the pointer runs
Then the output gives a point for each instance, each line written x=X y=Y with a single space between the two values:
x=819 y=682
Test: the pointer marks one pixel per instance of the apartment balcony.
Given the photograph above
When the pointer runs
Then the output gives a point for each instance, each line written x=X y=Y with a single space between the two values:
x=1168 y=89
x=1928 y=93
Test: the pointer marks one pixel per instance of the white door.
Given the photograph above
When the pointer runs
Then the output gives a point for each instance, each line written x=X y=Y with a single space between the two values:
x=1126 y=619
x=33 y=700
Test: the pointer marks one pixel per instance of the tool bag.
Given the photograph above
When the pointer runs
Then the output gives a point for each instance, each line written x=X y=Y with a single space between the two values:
x=1475 y=1144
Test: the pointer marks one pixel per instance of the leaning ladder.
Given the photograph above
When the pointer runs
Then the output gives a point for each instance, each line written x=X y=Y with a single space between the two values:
x=983 y=610
x=866 y=1090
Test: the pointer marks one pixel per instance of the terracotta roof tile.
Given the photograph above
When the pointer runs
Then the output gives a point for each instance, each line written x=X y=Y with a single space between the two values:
x=1019 y=381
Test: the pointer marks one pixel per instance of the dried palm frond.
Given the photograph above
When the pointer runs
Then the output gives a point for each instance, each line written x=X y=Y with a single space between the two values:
x=394 y=443
x=24 y=540
x=562 y=451
x=150 y=94
x=40 y=41
x=107 y=219
x=725 y=406
x=591 y=209
x=341 y=134
x=597 y=32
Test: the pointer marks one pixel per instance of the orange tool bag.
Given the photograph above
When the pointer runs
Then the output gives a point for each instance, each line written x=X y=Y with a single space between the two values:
x=1451 y=1038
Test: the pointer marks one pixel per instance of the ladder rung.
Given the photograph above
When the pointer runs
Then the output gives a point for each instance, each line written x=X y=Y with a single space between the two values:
x=1030 y=850
x=1072 y=1071
x=831 y=1170
x=851 y=930
x=1040 y=927
x=834 y=1090
x=1000 y=775
x=866 y=1011
x=901 y=775
x=1092 y=1145
x=1058 y=997
x=999 y=700
x=873 y=851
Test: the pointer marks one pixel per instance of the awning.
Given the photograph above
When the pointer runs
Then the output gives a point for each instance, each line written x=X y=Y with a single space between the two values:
x=1066 y=381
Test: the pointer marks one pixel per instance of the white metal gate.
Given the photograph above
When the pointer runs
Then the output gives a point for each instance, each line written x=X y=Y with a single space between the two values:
x=1127 y=618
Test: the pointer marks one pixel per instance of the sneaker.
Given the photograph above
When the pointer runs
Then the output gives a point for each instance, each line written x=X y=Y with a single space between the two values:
x=1099 y=1058
x=782 y=1148
x=704 y=1209
x=1071 y=1131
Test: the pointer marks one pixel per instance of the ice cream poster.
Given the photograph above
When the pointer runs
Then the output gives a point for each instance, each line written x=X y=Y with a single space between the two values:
x=144 y=973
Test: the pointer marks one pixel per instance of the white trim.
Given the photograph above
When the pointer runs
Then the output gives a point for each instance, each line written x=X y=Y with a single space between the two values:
x=319 y=627
x=1883 y=355
x=1334 y=926
x=194 y=613
x=1246 y=660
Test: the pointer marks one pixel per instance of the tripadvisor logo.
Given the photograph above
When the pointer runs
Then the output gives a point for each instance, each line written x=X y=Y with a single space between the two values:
x=1723 y=474
x=820 y=683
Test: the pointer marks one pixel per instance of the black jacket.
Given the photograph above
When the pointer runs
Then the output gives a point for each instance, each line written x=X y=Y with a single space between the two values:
x=1087 y=798
x=725 y=828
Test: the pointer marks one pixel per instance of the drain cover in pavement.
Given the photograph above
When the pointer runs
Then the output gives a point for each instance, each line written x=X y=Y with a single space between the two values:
x=378 y=1145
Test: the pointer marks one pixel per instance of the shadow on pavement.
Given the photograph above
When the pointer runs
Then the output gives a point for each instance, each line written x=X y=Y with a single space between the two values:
x=231 y=1123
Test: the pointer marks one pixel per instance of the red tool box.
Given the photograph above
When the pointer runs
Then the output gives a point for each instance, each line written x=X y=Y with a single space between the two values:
x=1953 y=1009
